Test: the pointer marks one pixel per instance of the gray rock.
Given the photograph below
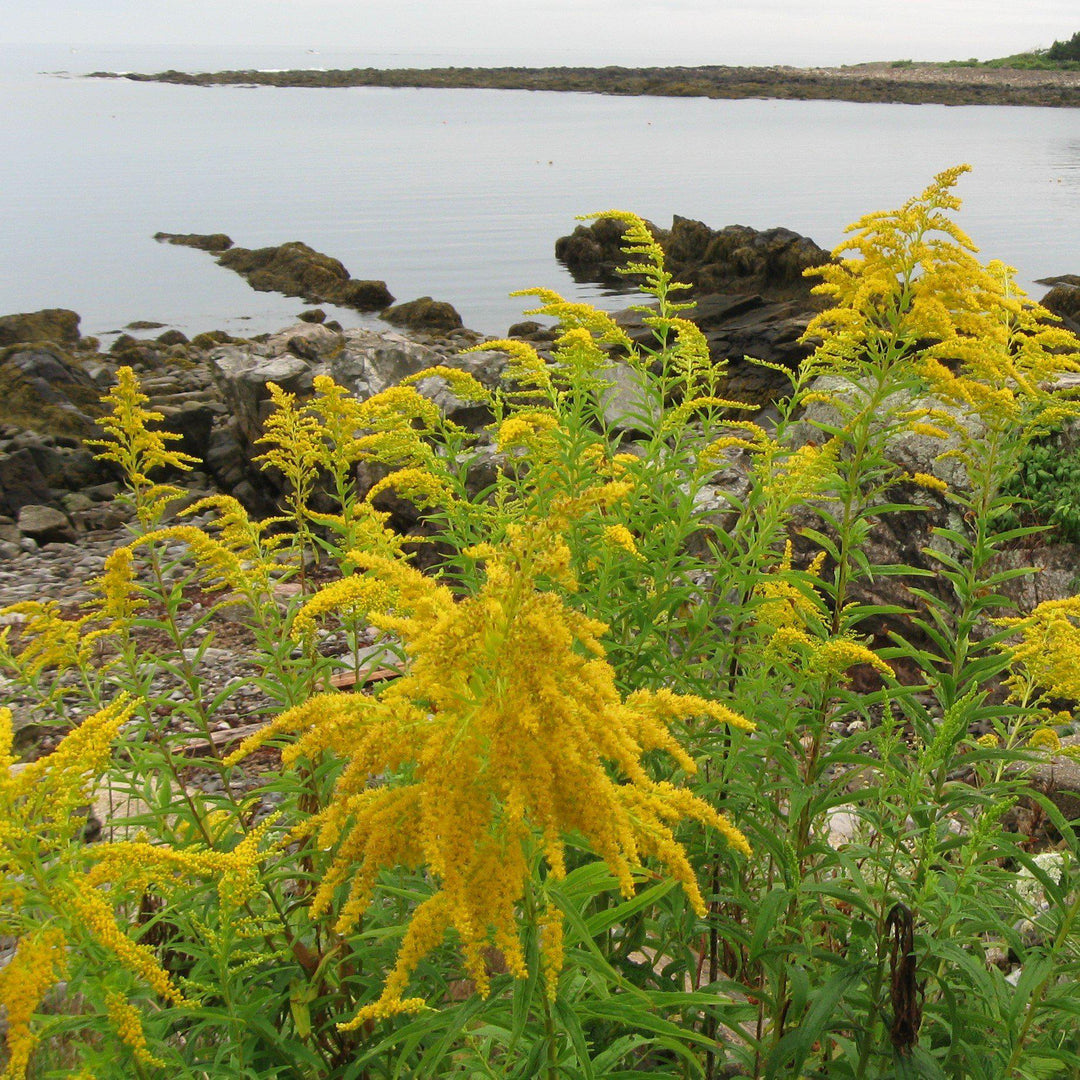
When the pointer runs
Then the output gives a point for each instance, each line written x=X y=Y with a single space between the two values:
x=75 y=501
x=241 y=375
x=45 y=525
x=627 y=404
x=371 y=362
x=307 y=340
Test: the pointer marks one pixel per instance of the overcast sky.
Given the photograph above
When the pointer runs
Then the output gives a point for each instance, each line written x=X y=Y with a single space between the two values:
x=575 y=31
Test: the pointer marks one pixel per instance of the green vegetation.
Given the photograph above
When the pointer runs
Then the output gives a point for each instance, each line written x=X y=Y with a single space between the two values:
x=659 y=789
x=1064 y=51
x=1047 y=485
x=1061 y=56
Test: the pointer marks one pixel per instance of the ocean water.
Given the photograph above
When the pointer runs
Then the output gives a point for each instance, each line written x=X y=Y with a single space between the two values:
x=457 y=194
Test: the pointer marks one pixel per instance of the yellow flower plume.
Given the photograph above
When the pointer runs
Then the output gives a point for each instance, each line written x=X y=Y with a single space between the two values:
x=505 y=733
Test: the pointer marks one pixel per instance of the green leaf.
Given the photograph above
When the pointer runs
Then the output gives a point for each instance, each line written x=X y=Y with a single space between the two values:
x=790 y=1053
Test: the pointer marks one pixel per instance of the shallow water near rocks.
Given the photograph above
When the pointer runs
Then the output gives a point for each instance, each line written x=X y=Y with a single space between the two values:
x=457 y=194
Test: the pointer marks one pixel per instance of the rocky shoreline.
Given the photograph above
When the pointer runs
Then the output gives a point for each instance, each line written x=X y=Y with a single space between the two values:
x=900 y=82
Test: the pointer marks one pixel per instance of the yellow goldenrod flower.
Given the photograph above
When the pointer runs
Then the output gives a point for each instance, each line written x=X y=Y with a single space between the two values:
x=98 y=919
x=1046 y=660
x=348 y=598
x=127 y=1024
x=785 y=601
x=505 y=732
x=524 y=429
x=39 y=961
x=136 y=448
x=1045 y=738
x=620 y=536
x=460 y=383
x=929 y=482
x=419 y=486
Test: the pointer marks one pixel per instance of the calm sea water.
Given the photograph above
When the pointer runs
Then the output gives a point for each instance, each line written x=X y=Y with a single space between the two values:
x=457 y=194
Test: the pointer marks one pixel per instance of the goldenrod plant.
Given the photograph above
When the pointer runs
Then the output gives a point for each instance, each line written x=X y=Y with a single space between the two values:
x=665 y=783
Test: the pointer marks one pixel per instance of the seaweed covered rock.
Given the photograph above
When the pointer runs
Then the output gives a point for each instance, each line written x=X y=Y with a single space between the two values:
x=58 y=325
x=213 y=242
x=735 y=259
x=425 y=314
x=298 y=270
x=1064 y=300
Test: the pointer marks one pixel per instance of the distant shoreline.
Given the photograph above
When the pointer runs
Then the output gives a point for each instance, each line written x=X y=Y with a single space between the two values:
x=895 y=83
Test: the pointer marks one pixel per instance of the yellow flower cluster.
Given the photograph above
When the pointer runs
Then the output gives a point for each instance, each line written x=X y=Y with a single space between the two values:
x=526 y=429
x=784 y=601
x=505 y=732
x=598 y=325
x=1045 y=663
x=792 y=477
x=41 y=799
x=929 y=482
x=127 y=1024
x=420 y=486
x=621 y=537
x=834 y=656
x=646 y=258
x=460 y=383
x=917 y=293
x=1045 y=738
x=39 y=962
x=50 y=879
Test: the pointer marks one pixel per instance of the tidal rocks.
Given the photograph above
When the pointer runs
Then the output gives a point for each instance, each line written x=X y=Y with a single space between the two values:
x=58 y=325
x=903 y=82
x=735 y=259
x=298 y=270
x=213 y=242
x=425 y=314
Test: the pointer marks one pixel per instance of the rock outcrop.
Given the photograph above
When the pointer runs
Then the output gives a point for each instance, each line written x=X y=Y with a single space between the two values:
x=735 y=259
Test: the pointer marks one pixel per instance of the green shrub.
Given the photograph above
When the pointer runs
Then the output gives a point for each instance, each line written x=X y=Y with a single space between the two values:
x=1046 y=485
